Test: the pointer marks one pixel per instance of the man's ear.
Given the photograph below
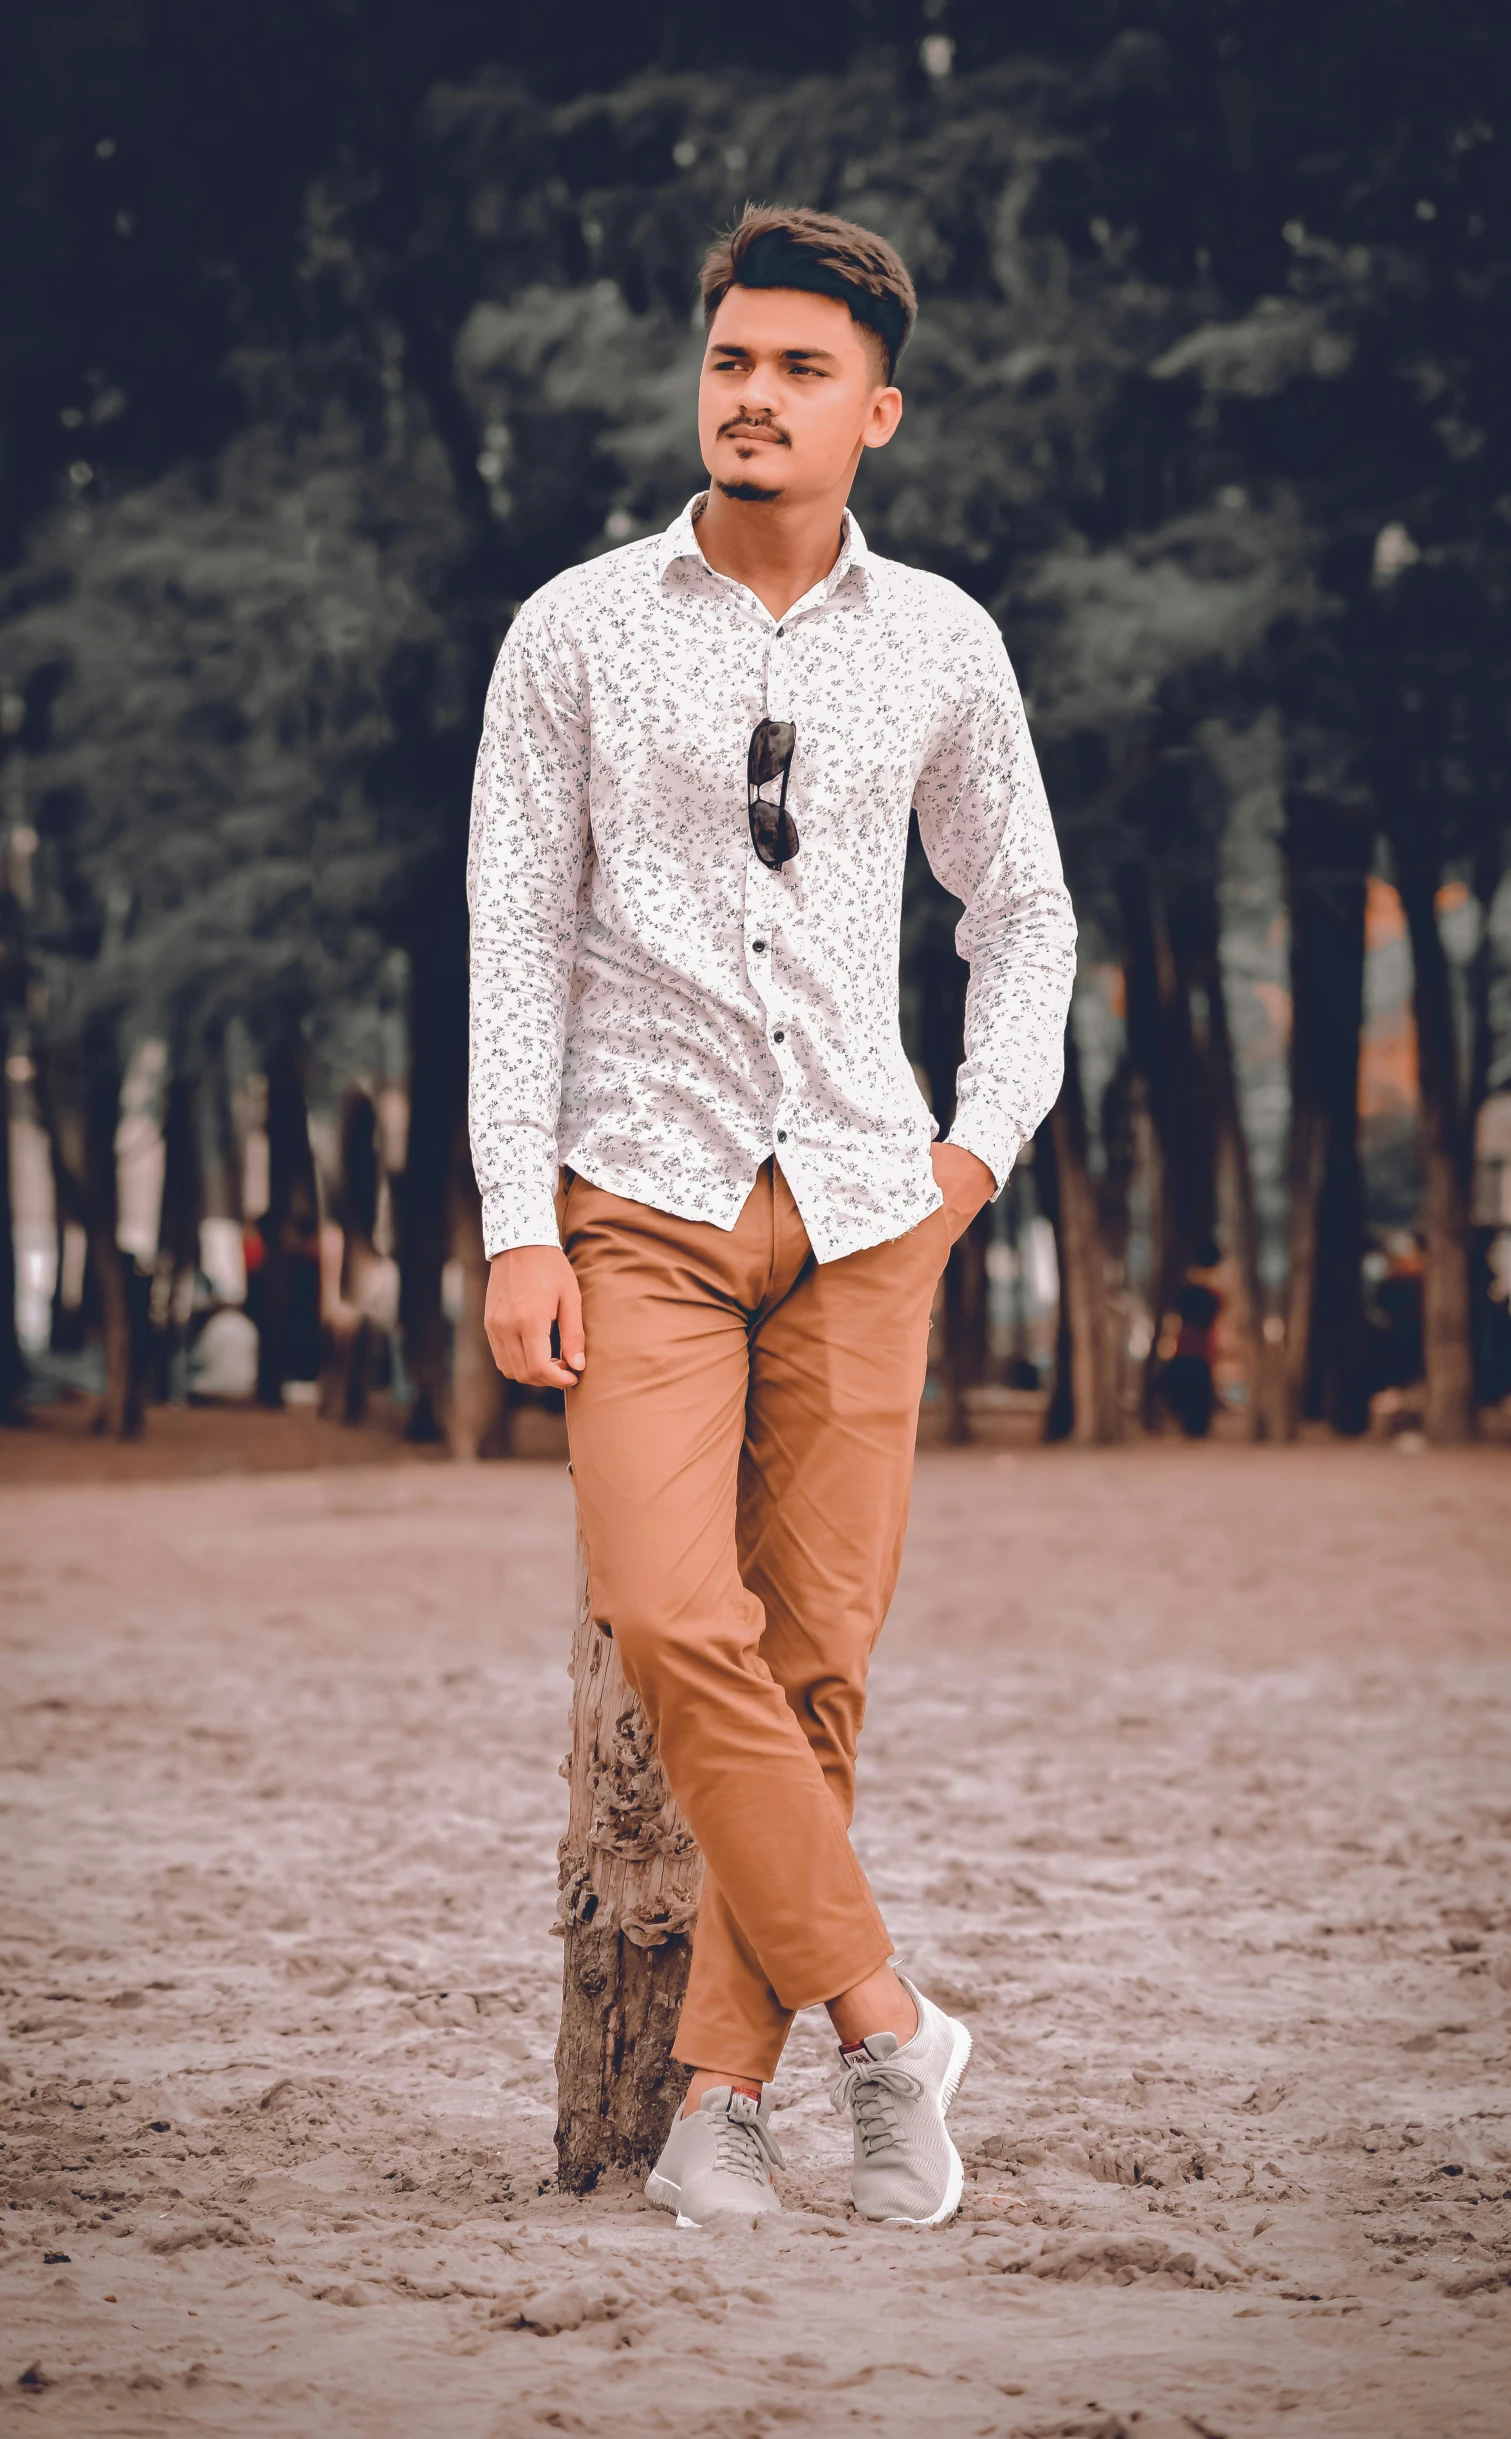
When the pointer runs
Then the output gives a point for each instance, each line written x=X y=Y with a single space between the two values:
x=883 y=417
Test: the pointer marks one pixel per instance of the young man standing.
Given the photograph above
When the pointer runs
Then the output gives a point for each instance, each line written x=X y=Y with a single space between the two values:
x=690 y=824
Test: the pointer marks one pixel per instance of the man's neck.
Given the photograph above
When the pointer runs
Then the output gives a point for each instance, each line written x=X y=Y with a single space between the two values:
x=779 y=549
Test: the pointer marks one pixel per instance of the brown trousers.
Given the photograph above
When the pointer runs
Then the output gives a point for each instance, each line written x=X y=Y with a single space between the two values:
x=742 y=1447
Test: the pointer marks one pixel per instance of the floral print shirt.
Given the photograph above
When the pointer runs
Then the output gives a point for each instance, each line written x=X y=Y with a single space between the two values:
x=652 y=1006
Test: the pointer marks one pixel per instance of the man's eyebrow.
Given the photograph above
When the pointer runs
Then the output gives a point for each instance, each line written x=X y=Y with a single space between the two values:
x=790 y=355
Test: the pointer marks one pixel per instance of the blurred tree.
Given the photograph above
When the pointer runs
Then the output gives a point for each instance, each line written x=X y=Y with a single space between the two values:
x=13 y=1372
x=223 y=828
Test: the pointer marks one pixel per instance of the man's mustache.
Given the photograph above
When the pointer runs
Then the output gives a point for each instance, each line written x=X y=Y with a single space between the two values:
x=745 y=423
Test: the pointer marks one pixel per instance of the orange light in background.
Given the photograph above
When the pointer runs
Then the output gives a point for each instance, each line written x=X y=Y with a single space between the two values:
x=1388 y=1043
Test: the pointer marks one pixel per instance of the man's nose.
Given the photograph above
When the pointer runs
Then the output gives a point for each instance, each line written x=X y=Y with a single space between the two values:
x=758 y=396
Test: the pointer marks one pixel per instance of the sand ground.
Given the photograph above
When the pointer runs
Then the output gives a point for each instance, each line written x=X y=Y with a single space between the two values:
x=1187 y=1782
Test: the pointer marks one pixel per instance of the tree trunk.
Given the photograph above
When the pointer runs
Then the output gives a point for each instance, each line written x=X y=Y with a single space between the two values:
x=1237 y=1214
x=437 y=1103
x=122 y=1303
x=1179 y=1045
x=58 y=1099
x=1446 y=1334
x=12 y=998
x=1096 y=1409
x=941 y=978
x=629 y=1875
x=1325 y=1344
x=12 y=1361
x=178 y=1228
x=1147 y=1052
x=219 y=1154
x=1060 y=1406
x=358 y=1215
x=290 y=1228
x=1488 y=867
x=965 y=1324
x=477 y=1407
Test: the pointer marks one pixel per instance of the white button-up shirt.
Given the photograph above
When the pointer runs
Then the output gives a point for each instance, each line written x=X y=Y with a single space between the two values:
x=652 y=1006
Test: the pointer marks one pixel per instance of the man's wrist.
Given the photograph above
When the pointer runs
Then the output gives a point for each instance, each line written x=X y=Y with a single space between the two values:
x=995 y=1149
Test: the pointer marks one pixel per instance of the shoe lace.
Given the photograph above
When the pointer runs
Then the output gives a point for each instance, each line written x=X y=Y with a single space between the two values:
x=871 y=2093
x=744 y=2143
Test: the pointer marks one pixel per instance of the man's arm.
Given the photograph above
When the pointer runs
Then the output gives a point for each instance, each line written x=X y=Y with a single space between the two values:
x=987 y=832
x=524 y=870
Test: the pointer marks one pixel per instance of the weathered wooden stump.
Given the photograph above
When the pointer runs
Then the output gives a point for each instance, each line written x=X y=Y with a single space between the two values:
x=629 y=1877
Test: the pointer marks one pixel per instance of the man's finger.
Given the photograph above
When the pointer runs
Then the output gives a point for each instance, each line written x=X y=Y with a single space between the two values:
x=542 y=1371
x=569 y=1326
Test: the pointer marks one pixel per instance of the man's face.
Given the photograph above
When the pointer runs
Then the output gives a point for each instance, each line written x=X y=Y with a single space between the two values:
x=791 y=392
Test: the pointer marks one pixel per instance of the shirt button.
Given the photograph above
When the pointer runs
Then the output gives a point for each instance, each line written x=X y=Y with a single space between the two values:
x=781 y=1134
x=758 y=945
x=779 y=1036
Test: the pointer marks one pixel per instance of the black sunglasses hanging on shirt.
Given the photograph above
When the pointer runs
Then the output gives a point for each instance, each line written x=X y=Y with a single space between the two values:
x=773 y=832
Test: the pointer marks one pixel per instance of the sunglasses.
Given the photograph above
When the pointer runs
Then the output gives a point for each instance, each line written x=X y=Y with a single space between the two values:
x=773 y=832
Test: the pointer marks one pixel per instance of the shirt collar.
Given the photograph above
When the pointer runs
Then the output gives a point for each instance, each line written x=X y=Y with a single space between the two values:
x=680 y=541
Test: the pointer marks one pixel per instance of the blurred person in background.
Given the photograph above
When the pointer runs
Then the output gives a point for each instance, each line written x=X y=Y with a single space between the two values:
x=1397 y=1355
x=1186 y=1383
x=699 y=757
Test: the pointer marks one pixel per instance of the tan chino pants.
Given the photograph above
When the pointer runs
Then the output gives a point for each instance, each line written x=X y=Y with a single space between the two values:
x=742 y=1447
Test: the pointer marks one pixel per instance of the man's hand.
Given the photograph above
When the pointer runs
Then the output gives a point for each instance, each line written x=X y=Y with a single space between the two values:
x=965 y=1182
x=530 y=1288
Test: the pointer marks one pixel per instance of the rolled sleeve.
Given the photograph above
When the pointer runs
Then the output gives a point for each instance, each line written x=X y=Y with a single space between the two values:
x=986 y=829
x=525 y=863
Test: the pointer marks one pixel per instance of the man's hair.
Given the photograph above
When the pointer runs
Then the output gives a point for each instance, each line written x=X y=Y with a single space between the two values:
x=771 y=248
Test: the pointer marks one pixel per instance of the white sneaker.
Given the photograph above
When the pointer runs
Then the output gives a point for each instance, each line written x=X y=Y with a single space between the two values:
x=719 y=2159
x=907 y=2170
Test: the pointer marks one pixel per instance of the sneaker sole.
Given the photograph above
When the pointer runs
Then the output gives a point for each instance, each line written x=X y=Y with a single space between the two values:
x=667 y=2196
x=960 y=2058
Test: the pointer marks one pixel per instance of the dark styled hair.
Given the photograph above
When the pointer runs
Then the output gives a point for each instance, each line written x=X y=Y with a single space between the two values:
x=771 y=248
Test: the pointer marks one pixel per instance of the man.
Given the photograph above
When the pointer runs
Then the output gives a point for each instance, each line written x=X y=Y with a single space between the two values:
x=690 y=825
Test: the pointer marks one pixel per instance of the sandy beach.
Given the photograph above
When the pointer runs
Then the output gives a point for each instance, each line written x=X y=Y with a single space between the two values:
x=1187 y=1782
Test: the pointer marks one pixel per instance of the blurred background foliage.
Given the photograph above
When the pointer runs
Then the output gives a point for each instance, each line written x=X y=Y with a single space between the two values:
x=327 y=335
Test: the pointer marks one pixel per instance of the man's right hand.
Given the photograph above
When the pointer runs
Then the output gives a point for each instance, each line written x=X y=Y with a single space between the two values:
x=529 y=1288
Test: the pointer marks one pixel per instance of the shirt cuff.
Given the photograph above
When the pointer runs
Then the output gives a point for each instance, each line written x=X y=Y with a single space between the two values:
x=515 y=1215
x=993 y=1138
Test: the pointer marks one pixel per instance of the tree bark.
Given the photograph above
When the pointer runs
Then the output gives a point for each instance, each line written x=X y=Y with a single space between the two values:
x=178 y=1227
x=1060 y=1406
x=1324 y=1369
x=219 y=1153
x=630 y=1875
x=1233 y=1181
x=358 y=1216
x=1488 y=867
x=12 y=1361
x=965 y=1325
x=437 y=1101
x=1085 y=1308
x=12 y=997
x=1448 y=1352
x=58 y=1102
x=942 y=977
x=122 y=1306
x=477 y=1406
x=1142 y=998
x=290 y=1225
